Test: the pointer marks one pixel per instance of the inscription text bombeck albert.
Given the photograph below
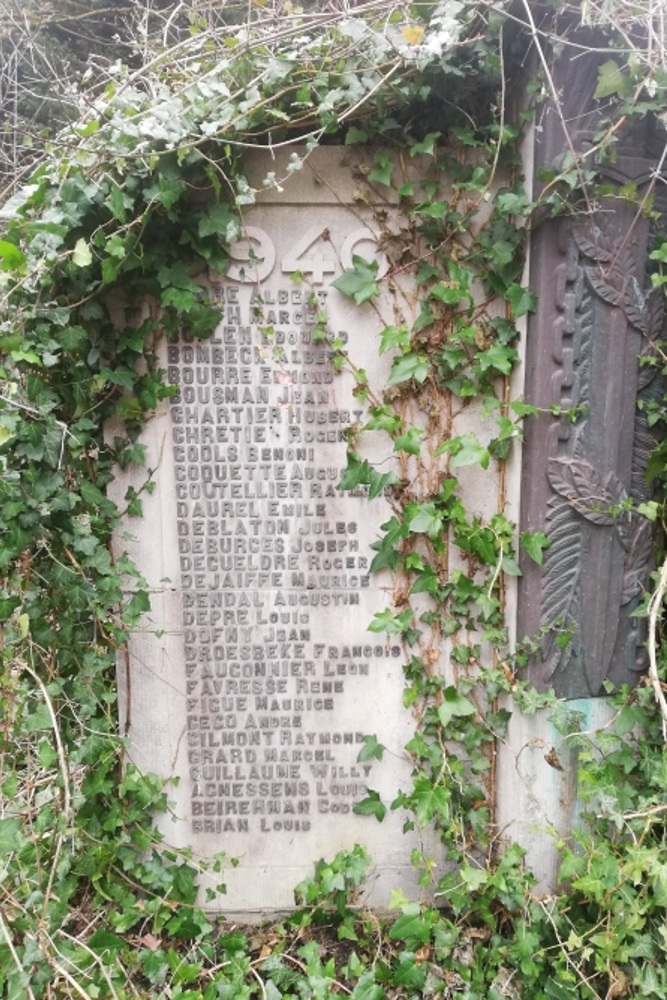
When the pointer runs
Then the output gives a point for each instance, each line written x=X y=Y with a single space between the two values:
x=258 y=439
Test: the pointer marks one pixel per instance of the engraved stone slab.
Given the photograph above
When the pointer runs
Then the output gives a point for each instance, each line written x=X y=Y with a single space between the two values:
x=254 y=679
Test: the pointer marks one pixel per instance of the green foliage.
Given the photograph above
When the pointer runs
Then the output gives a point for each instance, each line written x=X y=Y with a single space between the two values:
x=98 y=261
x=359 y=282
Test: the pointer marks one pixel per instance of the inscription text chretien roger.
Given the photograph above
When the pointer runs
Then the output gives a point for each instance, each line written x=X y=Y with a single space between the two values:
x=260 y=554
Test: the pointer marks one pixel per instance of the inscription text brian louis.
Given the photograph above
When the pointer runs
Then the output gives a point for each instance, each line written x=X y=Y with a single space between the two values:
x=254 y=427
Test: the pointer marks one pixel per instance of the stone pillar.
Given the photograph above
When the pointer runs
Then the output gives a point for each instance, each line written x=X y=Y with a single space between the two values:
x=586 y=349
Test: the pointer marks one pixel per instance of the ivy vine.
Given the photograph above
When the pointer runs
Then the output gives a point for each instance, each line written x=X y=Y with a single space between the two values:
x=99 y=259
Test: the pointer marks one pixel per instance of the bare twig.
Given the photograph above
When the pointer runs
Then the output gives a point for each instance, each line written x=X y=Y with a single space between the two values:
x=644 y=813
x=654 y=609
x=15 y=957
x=80 y=943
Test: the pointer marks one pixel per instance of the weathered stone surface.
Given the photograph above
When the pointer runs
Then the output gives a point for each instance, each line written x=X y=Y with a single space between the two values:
x=261 y=680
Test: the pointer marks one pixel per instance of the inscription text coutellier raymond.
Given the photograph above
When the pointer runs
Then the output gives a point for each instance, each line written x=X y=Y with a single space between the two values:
x=263 y=556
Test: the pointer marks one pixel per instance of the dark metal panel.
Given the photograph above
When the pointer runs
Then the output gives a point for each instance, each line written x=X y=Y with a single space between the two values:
x=596 y=317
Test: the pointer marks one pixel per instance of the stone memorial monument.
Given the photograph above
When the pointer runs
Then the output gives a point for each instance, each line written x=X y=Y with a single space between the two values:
x=255 y=679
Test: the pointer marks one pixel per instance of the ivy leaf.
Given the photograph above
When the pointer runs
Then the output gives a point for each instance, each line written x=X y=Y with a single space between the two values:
x=378 y=482
x=170 y=191
x=612 y=80
x=217 y=220
x=474 y=877
x=556 y=991
x=428 y=800
x=353 y=474
x=90 y=128
x=394 y=531
x=414 y=366
x=180 y=298
x=355 y=136
x=534 y=543
x=103 y=940
x=81 y=255
x=522 y=300
x=10 y=342
x=12 y=258
x=454 y=706
x=467 y=137
x=11 y=838
x=523 y=409
x=115 y=246
x=100 y=561
x=499 y=357
x=412 y=927
x=109 y=270
x=137 y=605
x=118 y=202
x=386 y=621
x=129 y=408
x=449 y=295
x=371 y=750
x=94 y=496
x=510 y=566
x=29 y=356
x=372 y=805
x=512 y=203
x=383 y=418
x=5 y=434
x=366 y=989
x=465 y=450
x=7 y=606
x=426 y=583
x=426 y=520
x=359 y=282
x=119 y=376
x=383 y=169
x=360 y=473
x=72 y=337
x=433 y=209
x=394 y=336
x=409 y=442
x=471 y=453
x=427 y=145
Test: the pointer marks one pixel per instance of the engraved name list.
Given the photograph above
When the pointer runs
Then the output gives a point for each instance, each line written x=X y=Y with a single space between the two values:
x=271 y=563
x=254 y=679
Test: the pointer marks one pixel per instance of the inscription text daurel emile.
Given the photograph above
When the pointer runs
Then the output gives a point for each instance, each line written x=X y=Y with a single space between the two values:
x=263 y=556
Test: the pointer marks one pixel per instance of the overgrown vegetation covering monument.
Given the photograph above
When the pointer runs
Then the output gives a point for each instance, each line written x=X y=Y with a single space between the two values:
x=331 y=487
